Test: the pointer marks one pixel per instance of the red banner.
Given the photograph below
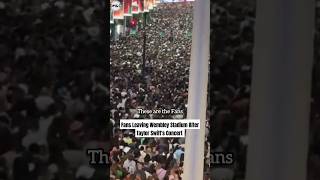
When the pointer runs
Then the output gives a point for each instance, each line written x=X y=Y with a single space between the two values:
x=141 y=6
x=127 y=7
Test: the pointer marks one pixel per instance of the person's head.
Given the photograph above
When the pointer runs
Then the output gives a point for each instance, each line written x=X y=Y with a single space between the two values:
x=136 y=153
x=116 y=158
x=130 y=157
x=140 y=165
x=173 y=171
x=149 y=149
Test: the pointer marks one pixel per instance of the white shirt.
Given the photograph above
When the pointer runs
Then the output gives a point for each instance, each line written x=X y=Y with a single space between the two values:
x=130 y=166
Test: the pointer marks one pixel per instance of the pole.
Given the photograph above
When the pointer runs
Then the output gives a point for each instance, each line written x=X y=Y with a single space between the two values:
x=125 y=25
x=116 y=35
x=197 y=94
x=281 y=89
x=144 y=44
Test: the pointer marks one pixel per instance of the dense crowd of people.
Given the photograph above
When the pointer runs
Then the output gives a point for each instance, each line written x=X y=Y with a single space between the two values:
x=161 y=84
x=232 y=43
x=53 y=89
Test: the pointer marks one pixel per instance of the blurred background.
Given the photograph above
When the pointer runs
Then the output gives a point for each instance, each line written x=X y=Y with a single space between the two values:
x=232 y=37
x=53 y=88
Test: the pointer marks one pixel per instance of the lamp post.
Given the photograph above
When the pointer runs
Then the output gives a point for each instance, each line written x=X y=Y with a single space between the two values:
x=144 y=44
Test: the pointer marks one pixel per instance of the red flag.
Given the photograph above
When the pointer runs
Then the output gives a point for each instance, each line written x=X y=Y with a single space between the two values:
x=141 y=4
x=127 y=7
